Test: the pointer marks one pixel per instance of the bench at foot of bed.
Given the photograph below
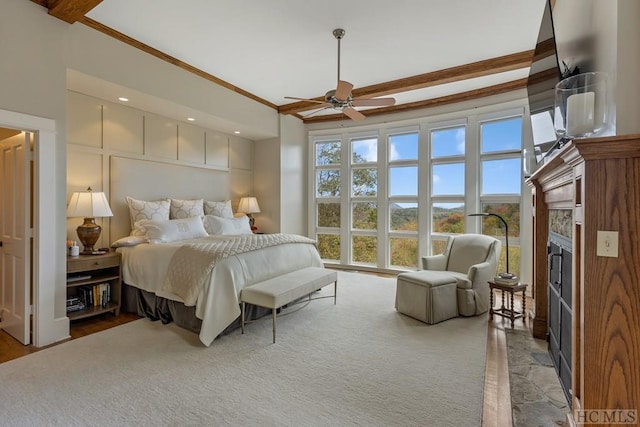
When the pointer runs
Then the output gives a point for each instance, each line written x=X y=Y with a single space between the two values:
x=281 y=290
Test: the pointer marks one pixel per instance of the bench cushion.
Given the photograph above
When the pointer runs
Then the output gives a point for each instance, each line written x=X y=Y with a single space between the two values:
x=281 y=290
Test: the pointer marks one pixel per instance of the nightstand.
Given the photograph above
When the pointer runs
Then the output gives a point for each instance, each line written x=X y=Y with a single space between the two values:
x=93 y=285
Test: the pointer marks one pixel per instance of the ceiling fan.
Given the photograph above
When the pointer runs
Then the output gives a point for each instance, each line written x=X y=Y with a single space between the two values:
x=341 y=99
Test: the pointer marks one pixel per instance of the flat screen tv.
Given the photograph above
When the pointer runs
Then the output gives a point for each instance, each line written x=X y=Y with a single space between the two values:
x=545 y=73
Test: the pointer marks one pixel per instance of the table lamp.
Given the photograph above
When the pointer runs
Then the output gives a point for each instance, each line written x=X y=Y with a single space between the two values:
x=249 y=205
x=506 y=275
x=88 y=204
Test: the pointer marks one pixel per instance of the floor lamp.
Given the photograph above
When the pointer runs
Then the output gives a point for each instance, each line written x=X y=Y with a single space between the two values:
x=506 y=275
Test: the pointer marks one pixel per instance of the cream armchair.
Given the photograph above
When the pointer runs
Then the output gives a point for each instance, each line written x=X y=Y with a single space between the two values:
x=473 y=260
x=453 y=283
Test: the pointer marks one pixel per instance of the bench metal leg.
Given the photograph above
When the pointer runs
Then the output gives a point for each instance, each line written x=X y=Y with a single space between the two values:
x=273 y=311
x=242 y=317
x=335 y=292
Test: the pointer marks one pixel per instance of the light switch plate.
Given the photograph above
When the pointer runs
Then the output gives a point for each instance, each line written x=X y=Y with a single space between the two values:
x=607 y=244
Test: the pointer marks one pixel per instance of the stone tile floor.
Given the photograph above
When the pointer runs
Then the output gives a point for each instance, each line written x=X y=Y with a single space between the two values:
x=537 y=399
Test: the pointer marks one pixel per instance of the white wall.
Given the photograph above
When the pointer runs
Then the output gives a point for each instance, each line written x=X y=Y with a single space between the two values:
x=281 y=174
x=267 y=185
x=294 y=175
x=37 y=50
x=628 y=83
x=98 y=129
x=600 y=35
x=33 y=82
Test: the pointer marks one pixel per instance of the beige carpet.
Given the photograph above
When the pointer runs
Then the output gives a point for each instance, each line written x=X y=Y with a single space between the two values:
x=356 y=363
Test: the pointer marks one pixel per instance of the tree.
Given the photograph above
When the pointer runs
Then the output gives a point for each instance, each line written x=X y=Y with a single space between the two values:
x=365 y=180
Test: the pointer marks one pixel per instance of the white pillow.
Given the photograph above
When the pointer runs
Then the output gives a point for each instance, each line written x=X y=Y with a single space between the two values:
x=171 y=230
x=140 y=209
x=130 y=241
x=226 y=226
x=186 y=208
x=219 y=209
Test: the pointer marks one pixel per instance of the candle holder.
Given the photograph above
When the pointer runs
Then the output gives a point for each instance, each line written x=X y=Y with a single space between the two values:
x=581 y=105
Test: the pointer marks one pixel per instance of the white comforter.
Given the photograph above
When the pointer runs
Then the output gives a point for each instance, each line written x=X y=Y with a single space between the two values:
x=145 y=266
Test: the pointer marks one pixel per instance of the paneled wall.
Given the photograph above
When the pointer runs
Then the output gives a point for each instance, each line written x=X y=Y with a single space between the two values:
x=97 y=129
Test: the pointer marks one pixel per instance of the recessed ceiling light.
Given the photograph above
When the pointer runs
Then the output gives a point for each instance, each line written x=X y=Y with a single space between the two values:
x=236 y=132
x=191 y=119
x=123 y=99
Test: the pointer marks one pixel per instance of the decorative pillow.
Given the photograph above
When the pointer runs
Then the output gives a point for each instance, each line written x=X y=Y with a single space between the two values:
x=186 y=208
x=171 y=230
x=226 y=226
x=130 y=241
x=140 y=209
x=219 y=209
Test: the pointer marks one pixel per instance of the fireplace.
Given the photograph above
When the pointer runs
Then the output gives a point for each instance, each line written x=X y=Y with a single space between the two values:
x=559 y=295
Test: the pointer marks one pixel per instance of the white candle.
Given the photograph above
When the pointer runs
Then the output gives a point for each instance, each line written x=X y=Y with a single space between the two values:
x=580 y=110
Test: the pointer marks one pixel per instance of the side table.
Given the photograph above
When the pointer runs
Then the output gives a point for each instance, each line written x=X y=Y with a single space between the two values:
x=508 y=311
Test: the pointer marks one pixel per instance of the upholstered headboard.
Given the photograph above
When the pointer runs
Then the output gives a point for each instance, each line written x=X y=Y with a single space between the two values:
x=152 y=180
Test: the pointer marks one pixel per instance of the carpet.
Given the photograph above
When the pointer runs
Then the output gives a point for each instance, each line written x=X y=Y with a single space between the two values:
x=355 y=363
x=537 y=399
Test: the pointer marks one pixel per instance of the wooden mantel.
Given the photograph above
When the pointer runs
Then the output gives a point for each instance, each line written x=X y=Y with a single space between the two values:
x=599 y=180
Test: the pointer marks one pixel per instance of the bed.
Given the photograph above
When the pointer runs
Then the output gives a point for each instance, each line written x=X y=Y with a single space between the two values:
x=145 y=267
x=193 y=279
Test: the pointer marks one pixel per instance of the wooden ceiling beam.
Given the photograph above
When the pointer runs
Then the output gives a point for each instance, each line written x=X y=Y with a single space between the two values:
x=430 y=103
x=170 y=59
x=449 y=75
x=70 y=10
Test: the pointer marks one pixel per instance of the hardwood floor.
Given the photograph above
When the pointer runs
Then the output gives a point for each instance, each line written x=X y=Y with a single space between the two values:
x=12 y=349
x=497 y=394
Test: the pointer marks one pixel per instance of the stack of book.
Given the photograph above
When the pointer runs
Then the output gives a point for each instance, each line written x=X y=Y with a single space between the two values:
x=95 y=295
x=74 y=304
x=506 y=280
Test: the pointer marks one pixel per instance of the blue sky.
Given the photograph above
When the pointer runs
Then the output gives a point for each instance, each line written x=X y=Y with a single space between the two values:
x=500 y=176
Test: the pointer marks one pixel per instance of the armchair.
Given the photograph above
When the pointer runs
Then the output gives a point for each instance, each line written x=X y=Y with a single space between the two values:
x=453 y=283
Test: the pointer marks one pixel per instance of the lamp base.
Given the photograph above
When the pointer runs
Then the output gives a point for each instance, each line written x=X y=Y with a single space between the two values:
x=252 y=220
x=507 y=276
x=88 y=234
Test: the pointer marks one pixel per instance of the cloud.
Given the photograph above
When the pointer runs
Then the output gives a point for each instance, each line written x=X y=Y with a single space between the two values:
x=367 y=148
x=393 y=154
x=460 y=140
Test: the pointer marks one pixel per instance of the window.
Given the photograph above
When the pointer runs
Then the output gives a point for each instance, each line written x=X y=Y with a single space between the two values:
x=402 y=214
x=363 y=195
x=385 y=197
x=447 y=184
x=500 y=157
x=328 y=185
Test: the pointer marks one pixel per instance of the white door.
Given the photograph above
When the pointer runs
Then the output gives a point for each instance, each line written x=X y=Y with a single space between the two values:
x=15 y=236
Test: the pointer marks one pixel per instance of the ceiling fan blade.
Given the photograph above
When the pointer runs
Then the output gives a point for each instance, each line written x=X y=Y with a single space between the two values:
x=305 y=99
x=343 y=90
x=354 y=114
x=313 y=113
x=373 y=102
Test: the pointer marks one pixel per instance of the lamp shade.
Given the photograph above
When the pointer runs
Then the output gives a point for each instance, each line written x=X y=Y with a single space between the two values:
x=88 y=204
x=248 y=205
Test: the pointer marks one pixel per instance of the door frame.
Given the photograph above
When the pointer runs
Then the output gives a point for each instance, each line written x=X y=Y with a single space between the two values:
x=49 y=326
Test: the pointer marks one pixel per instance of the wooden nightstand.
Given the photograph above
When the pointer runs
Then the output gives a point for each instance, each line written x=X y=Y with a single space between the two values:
x=95 y=281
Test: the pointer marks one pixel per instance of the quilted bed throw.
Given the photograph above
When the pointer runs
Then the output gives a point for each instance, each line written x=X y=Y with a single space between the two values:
x=190 y=266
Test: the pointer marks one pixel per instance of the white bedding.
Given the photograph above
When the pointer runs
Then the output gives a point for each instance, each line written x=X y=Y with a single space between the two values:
x=145 y=266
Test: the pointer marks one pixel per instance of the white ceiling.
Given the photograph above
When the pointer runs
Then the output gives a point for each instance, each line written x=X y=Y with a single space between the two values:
x=278 y=48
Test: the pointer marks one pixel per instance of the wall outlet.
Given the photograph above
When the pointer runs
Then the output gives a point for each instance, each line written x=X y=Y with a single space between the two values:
x=607 y=244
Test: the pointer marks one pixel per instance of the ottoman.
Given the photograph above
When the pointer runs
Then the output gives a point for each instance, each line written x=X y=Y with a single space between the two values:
x=429 y=296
